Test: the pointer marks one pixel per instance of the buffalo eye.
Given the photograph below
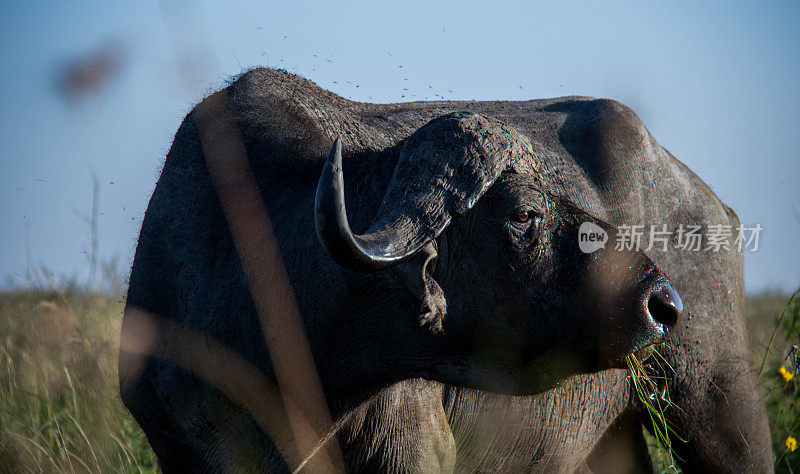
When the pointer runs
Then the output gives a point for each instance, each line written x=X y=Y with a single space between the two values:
x=523 y=216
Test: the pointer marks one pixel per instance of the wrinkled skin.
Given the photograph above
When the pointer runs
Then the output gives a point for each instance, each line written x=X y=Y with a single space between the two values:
x=413 y=397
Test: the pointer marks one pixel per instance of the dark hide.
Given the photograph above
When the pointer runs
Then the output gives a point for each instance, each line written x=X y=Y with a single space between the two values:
x=594 y=155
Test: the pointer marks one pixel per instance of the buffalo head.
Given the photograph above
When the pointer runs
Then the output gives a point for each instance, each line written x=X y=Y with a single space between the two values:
x=508 y=301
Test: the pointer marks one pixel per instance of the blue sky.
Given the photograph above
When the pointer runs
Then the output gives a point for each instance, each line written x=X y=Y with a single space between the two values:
x=717 y=84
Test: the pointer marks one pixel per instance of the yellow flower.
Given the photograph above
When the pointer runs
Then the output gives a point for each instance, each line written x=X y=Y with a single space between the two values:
x=787 y=376
x=791 y=443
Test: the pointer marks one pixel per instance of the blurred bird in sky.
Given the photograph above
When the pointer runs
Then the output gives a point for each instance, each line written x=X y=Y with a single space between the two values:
x=88 y=74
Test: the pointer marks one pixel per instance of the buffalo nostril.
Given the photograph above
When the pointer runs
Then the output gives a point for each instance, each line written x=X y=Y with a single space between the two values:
x=664 y=306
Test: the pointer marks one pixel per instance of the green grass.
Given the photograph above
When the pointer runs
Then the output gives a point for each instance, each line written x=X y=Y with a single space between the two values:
x=59 y=407
x=778 y=367
x=653 y=393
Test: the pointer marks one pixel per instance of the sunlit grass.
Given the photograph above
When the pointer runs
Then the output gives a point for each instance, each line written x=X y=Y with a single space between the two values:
x=59 y=407
x=653 y=393
x=778 y=378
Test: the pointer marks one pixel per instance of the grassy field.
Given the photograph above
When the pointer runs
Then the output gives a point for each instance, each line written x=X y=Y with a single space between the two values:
x=774 y=336
x=59 y=408
x=60 y=412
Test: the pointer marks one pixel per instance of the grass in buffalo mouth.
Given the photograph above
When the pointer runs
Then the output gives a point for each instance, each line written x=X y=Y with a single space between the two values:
x=650 y=386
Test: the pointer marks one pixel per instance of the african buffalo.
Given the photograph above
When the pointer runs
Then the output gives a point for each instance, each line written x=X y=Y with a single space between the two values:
x=414 y=298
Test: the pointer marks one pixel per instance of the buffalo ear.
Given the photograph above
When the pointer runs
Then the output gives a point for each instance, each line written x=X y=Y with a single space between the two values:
x=416 y=274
